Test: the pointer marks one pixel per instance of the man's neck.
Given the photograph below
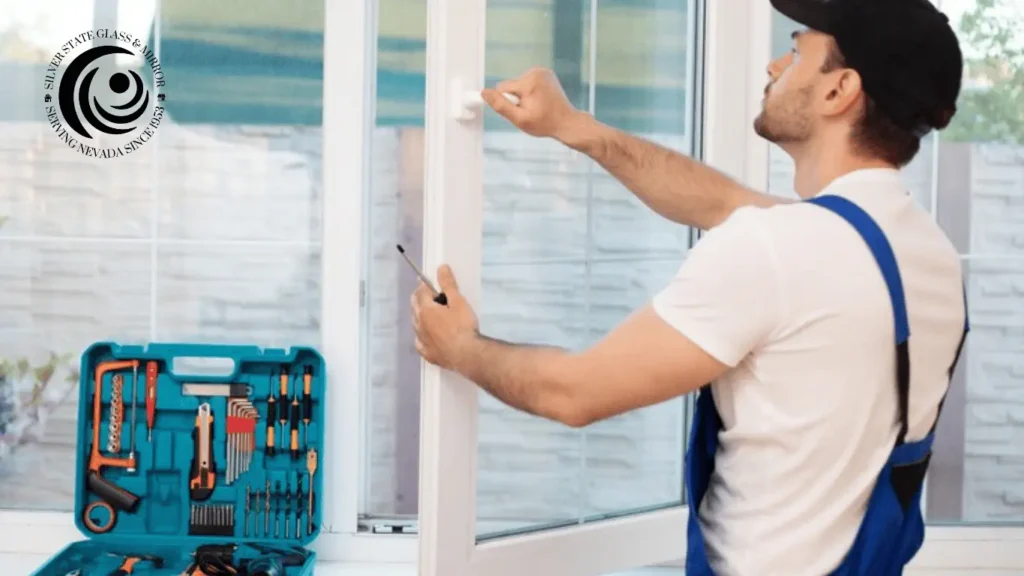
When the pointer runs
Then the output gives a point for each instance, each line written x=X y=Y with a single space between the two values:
x=818 y=165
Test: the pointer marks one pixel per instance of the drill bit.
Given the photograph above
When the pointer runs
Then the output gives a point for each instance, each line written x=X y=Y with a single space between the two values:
x=287 y=511
x=266 y=512
x=277 y=510
x=298 y=505
x=248 y=503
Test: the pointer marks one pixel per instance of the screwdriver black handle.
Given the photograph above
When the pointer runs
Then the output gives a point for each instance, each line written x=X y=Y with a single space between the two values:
x=282 y=399
x=441 y=299
x=271 y=422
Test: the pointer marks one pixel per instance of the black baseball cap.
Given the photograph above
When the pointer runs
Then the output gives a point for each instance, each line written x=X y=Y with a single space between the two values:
x=905 y=51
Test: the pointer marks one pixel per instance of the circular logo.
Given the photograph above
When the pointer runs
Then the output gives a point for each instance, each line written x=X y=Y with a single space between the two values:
x=103 y=93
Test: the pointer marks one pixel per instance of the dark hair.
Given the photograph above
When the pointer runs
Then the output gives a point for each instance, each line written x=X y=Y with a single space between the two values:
x=874 y=133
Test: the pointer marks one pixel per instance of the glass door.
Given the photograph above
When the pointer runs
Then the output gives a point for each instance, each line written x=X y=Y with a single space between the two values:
x=549 y=249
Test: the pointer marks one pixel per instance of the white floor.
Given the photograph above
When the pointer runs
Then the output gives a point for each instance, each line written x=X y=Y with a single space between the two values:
x=24 y=564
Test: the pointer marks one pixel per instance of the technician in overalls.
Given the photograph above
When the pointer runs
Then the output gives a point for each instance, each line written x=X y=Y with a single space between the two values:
x=829 y=326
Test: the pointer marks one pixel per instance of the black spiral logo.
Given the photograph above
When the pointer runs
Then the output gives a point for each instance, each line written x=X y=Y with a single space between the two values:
x=71 y=92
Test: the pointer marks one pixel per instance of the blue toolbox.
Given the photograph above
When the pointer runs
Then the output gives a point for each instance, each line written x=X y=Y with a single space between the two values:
x=197 y=471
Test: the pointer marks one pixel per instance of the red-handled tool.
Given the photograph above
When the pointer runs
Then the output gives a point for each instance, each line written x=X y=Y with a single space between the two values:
x=151 y=372
x=130 y=562
x=109 y=492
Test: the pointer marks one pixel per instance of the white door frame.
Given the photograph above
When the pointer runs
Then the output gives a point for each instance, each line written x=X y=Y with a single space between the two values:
x=453 y=235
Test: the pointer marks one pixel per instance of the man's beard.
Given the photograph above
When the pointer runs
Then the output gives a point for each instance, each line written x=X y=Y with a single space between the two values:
x=786 y=120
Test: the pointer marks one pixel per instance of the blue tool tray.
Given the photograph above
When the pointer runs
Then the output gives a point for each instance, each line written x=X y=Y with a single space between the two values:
x=168 y=505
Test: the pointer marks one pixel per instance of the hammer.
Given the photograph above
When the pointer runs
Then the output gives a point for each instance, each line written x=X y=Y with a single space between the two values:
x=128 y=566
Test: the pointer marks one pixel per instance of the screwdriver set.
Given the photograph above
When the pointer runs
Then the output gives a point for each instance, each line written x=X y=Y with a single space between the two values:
x=231 y=459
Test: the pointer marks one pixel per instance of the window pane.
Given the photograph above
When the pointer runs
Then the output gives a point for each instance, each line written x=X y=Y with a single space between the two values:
x=635 y=460
x=209 y=232
x=530 y=471
x=987 y=415
x=569 y=253
x=980 y=204
x=391 y=482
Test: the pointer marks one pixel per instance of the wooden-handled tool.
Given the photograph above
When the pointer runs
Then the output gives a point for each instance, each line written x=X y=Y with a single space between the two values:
x=203 y=474
x=311 y=465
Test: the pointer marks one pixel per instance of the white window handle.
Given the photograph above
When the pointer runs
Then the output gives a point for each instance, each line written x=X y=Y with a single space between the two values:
x=468 y=103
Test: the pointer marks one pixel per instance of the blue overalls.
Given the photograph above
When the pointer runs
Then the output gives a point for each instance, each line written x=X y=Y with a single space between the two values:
x=893 y=527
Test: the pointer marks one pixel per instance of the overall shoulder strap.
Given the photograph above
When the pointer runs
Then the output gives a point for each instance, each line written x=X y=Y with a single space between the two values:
x=886 y=260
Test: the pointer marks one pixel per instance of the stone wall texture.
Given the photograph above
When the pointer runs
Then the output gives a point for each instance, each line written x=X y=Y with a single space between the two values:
x=212 y=234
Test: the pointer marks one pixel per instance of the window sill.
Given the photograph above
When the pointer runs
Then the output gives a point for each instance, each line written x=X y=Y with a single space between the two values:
x=28 y=539
x=25 y=564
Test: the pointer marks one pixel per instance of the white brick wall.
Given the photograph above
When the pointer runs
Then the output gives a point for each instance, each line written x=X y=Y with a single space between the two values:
x=994 y=461
x=255 y=184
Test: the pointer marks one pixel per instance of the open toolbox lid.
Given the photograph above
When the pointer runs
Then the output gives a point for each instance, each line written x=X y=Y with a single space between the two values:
x=203 y=475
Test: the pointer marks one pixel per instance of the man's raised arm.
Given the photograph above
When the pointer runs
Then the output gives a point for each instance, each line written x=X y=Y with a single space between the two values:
x=675 y=186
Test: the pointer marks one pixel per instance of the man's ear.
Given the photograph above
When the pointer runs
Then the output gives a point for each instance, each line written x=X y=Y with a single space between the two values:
x=843 y=91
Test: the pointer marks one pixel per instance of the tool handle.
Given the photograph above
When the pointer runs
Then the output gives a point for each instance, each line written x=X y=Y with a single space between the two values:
x=151 y=372
x=296 y=418
x=111 y=493
x=203 y=473
x=127 y=567
x=307 y=398
x=271 y=418
x=284 y=382
x=441 y=299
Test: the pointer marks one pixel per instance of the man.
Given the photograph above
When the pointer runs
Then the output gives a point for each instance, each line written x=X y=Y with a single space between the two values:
x=809 y=447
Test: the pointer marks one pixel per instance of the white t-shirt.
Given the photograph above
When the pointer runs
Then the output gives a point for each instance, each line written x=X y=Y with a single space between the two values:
x=791 y=298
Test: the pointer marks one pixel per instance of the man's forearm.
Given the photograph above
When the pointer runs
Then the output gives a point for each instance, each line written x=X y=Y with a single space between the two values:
x=534 y=379
x=678 y=187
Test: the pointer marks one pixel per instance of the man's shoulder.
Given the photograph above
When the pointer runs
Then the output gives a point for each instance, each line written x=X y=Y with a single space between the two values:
x=766 y=228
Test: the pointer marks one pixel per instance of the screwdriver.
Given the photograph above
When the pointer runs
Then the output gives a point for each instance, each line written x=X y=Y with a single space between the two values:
x=150 y=396
x=296 y=418
x=439 y=297
x=282 y=413
x=307 y=400
x=271 y=423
